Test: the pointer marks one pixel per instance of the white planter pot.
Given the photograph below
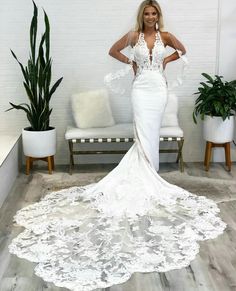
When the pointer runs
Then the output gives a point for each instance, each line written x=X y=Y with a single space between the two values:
x=39 y=144
x=218 y=131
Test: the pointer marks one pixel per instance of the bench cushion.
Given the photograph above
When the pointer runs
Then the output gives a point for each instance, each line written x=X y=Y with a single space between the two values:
x=171 y=131
x=122 y=130
x=117 y=130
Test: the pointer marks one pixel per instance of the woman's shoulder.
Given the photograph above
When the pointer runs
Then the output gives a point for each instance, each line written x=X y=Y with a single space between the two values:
x=133 y=37
x=134 y=34
x=166 y=37
x=165 y=34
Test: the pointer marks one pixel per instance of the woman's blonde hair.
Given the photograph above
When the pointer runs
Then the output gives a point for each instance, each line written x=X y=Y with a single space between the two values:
x=139 y=24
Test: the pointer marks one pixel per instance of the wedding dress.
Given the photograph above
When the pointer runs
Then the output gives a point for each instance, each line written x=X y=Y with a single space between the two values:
x=132 y=220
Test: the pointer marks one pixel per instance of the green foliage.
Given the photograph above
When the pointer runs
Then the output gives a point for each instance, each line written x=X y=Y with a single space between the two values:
x=216 y=98
x=37 y=77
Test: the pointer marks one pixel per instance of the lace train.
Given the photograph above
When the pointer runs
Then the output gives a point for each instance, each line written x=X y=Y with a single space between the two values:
x=80 y=248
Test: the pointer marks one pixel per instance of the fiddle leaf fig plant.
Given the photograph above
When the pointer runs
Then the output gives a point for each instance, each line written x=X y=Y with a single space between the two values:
x=37 y=76
x=216 y=98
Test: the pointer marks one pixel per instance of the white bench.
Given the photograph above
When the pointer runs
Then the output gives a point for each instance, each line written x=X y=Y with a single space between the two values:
x=123 y=132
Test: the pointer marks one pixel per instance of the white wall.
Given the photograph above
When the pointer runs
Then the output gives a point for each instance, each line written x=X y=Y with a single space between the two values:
x=226 y=62
x=227 y=45
x=81 y=34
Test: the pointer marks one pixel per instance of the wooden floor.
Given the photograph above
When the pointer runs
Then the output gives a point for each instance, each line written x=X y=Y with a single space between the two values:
x=214 y=268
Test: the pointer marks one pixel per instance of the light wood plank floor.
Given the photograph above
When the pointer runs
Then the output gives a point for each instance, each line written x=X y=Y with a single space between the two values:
x=214 y=268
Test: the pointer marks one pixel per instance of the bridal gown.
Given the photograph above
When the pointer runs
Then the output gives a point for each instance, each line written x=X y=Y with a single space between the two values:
x=83 y=238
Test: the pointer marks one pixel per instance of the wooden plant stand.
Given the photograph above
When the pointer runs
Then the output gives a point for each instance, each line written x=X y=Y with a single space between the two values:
x=30 y=160
x=209 y=146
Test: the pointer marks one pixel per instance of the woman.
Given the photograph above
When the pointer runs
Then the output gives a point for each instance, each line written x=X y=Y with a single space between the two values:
x=148 y=62
x=132 y=220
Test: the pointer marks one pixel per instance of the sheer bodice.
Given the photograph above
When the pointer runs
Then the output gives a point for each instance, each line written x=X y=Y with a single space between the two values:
x=141 y=54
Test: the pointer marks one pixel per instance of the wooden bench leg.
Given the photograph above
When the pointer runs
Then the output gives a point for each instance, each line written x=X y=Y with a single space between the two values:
x=227 y=155
x=180 y=155
x=177 y=159
x=72 y=163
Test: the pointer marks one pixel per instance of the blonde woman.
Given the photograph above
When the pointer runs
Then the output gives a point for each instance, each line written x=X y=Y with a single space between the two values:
x=149 y=93
x=132 y=220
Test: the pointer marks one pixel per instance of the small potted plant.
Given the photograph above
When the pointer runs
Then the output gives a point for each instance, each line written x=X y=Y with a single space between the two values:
x=216 y=105
x=39 y=139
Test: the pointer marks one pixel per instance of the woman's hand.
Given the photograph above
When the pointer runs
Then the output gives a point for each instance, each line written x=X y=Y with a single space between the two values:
x=165 y=62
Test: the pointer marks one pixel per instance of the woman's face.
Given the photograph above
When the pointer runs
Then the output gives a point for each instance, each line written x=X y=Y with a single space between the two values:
x=150 y=16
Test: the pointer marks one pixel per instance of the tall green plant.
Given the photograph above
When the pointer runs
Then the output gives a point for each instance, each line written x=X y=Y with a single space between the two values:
x=216 y=98
x=37 y=77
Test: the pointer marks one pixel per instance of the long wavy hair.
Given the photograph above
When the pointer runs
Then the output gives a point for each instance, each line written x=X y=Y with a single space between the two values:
x=139 y=24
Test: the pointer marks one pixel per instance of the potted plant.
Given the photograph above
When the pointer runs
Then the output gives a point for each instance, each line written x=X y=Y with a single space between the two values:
x=216 y=105
x=39 y=139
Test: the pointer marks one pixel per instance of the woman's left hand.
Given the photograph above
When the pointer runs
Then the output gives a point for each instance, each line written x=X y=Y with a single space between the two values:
x=135 y=67
x=165 y=61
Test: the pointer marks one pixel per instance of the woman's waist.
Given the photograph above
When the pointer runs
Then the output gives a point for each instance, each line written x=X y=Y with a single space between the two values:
x=155 y=72
x=152 y=68
x=149 y=78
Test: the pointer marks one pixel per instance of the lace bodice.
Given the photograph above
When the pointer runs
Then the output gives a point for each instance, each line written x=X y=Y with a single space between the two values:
x=142 y=56
x=144 y=59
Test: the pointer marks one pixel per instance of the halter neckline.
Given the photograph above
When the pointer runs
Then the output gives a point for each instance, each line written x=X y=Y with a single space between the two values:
x=145 y=58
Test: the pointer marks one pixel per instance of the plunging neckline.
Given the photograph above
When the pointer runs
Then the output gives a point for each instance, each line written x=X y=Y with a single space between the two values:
x=154 y=44
x=150 y=51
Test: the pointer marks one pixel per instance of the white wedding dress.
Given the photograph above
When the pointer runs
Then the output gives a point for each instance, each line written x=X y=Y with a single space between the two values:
x=132 y=220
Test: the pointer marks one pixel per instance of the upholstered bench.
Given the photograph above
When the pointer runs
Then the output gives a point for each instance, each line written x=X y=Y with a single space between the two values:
x=123 y=133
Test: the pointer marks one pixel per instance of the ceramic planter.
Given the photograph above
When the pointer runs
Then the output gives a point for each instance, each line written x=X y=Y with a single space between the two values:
x=218 y=131
x=39 y=144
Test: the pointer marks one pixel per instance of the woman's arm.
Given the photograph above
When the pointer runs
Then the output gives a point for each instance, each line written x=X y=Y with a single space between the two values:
x=170 y=40
x=119 y=46
x=115 y=50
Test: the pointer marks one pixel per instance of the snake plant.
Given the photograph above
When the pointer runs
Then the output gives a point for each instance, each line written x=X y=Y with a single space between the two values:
x=37 y=76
